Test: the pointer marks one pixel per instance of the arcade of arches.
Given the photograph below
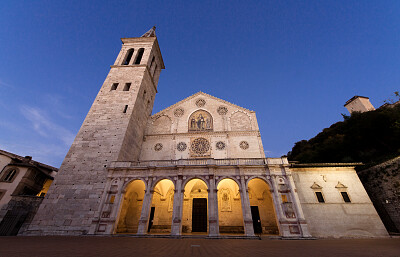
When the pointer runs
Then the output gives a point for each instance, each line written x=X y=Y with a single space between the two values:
x=193 y=206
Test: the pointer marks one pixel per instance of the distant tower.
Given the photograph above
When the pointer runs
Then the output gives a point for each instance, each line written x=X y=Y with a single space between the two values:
x=359 y=104
x=112 y=131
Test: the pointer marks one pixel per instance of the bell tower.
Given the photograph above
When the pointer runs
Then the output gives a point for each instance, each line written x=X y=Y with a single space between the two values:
x=112 y=131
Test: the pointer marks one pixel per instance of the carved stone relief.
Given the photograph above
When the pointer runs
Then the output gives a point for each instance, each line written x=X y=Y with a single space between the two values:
x=244 y=145
x=181 y=146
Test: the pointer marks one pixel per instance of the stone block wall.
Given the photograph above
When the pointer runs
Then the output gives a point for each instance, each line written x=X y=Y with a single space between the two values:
x=382 y=183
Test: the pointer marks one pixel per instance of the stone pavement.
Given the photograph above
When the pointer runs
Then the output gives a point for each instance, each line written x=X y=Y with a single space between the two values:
x=130 y=246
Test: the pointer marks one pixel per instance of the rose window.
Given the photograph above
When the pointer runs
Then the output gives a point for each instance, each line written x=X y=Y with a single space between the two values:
x=179 y=112
x=200 y=102
x=244 y=145
x=222 y=110
x=200 y=146
x=181 y=146
x=158 y=147
x=220 y=145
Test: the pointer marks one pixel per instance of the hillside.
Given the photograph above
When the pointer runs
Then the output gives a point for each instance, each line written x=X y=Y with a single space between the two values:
x=369 y=137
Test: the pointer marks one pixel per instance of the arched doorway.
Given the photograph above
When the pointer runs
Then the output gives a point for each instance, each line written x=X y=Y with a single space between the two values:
x=262 y=207
x=162 y=204
x=131 y=207
x=229 y=207
x=194 y=212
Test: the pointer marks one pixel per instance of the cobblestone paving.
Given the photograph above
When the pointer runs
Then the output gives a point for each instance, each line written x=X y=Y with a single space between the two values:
x=129 y=246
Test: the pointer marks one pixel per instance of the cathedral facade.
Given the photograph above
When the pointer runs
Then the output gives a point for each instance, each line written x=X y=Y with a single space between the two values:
x=196 y=167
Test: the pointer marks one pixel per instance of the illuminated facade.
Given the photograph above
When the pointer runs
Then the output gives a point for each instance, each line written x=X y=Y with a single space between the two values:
x=196 y=167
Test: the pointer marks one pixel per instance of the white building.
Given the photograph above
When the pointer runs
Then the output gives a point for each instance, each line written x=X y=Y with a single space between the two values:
x=197 y=166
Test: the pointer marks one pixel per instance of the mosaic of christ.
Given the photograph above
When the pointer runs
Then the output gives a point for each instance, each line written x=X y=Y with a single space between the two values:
x=200 y=120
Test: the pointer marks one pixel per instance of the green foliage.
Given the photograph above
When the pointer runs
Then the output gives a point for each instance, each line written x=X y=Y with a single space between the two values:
x=368 y=137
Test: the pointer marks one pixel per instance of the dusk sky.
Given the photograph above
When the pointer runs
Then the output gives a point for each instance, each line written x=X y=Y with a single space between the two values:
x=295 y=63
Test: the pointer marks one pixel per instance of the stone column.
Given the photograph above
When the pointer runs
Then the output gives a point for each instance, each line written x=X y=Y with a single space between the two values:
x=299 y=211
x=247 y=218
x=144 y=215
x=283 y=222
x=177 y=209
x=213 y=223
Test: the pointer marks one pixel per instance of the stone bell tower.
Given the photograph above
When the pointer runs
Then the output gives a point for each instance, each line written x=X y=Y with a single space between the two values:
x=112 y=131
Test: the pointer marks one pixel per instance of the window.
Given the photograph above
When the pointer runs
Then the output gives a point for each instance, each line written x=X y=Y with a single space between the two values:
x=114 y=86
x=152 y=62
x=320 y=197
x=284 y=199
x=9 y=175
x=127 y=86
x=139 y=56
x=154 y=70
x=128 y=57
x=125 y=109
x=346 y=197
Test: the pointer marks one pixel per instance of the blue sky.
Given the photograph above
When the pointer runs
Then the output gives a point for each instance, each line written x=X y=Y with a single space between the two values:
x=293 y=62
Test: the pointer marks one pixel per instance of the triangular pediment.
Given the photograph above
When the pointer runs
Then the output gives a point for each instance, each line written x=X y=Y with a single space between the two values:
x=200 y=95
x=316 y=186
x=340 y=185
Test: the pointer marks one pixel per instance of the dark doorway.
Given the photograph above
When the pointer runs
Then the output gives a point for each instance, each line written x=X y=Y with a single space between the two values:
x=199 y=215
x=256 y=220
x=151 y=218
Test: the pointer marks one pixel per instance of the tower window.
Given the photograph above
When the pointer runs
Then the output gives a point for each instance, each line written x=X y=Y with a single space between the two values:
x=320 y=197
x=125 y=109
x=346 y=197
x=154 y=70
x=128 y=57
x=152 y=62
x=114 y=86
x=139 y=56
x=127 y=86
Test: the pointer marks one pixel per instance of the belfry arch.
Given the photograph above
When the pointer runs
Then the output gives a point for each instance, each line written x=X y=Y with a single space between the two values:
x=195 y=207
x=262 y=207
x=229 y=207
x=160 y=217
x=131 y=207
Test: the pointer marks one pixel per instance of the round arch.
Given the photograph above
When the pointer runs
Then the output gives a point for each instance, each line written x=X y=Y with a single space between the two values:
x=131 y=206
x=200 y=120
x=127 y=183
x=156 y=181
x=260 y=177
x=160 y=219
x=262 y=203
x=230 y=214
x=195 y=205
x=228 y=177
x=184 y=182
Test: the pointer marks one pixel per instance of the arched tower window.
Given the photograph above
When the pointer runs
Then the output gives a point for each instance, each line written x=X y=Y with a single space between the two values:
x=139 y=56
x=128 y=57
x=200 y=121
x=152 y=62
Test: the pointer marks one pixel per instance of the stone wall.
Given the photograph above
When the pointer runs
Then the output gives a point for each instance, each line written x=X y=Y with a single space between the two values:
x=382 y=183
x=20 y=209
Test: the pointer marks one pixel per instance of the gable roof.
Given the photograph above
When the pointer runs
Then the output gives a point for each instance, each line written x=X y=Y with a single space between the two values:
x=196 y=95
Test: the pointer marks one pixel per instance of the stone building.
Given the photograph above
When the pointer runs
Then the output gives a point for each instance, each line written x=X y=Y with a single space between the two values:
x=196 y=167
x=359 y=104
x=23 y=184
